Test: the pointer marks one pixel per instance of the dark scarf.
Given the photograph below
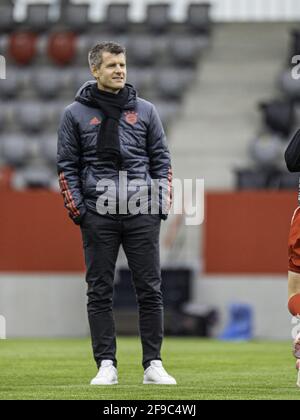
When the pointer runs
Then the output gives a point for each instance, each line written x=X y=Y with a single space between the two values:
x=112 y=105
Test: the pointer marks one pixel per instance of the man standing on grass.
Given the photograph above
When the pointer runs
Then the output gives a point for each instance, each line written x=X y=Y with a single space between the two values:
x=106 y=132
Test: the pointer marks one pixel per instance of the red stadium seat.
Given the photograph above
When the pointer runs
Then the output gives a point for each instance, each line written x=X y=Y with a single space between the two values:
x=22 y=47
x=62 y=47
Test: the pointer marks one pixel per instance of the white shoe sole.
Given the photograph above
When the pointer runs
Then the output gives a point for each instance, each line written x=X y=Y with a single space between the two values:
x=158 y=383
x=101 y=383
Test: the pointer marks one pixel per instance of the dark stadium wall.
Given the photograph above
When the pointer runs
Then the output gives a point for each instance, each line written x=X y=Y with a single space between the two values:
x=245 y=232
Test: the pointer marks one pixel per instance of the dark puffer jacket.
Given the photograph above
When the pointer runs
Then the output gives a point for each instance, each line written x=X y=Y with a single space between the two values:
x=143 y=147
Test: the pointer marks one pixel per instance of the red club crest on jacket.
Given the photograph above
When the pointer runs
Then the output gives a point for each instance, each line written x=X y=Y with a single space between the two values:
x=95 y=121
x=131 y=117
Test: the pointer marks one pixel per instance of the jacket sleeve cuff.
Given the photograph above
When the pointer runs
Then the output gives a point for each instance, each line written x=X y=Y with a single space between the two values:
x=78 y=219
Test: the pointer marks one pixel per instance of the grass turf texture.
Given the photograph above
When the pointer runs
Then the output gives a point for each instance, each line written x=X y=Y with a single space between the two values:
x=204 y=369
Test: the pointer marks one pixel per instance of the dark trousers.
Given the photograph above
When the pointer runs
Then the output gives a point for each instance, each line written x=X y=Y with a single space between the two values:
x=139 y=236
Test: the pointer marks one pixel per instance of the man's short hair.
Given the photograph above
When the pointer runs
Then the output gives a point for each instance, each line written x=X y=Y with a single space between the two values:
x=95 y=54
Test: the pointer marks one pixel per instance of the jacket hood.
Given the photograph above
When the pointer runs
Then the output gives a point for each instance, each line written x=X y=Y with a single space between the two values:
x=84 y=96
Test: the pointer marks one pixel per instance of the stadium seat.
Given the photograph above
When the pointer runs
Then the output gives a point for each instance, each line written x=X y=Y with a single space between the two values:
x=172 y=83
x=117 y=17
x=6 y=16
x=84 y=43
x=14 y=149
x=278 y=116
x=289 y=85
x=143 y=51
x=75 y=17
x=48 y=82
x=294 y=44
x=32 y=177
x=287 y=180
x=12 y=85
x=54 y=183
x=48 y=148
x=198 y=17
x=168 y=110
x=256 y=178
x=23 y=47
x=141 y=79
x=54 y=110
x=202 y=41
x=184 y=51
x=158 y=17
x=31 y=116
x=122 y=39
x=60 y=109
x=62 y=47
x=3 y=44
x=2 y=117
x=266 y=150
x=248 y=179
x=195 y=319
x=38 y=17
x=80 y=76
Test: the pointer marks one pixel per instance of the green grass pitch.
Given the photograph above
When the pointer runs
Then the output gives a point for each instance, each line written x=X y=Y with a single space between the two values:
x=204 y=369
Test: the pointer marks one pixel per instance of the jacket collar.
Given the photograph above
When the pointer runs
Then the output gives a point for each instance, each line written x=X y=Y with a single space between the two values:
x=83 y=95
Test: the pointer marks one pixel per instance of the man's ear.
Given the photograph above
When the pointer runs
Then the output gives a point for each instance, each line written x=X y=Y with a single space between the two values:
x=94 y=72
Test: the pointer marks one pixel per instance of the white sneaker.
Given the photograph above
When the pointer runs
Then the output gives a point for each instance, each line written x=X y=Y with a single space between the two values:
x=296 y=348
x=298 y=368
x=107 y=375
x=156 y=374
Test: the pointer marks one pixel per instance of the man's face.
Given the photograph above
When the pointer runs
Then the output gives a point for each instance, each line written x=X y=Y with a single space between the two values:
x=111 y=76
